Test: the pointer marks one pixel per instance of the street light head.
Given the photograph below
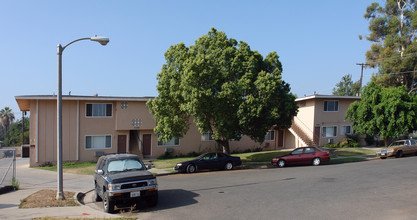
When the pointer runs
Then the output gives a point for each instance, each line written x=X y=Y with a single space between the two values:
x=102 y=40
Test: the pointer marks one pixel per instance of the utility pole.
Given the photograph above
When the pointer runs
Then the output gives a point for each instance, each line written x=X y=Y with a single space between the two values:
x=360 y=81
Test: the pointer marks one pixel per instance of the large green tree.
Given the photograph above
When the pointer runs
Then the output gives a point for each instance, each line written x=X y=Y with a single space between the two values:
x=387 y=112
x=6 y=117
x=14 y=136
x=226 y=88
x=393 y=29
x=347 y=87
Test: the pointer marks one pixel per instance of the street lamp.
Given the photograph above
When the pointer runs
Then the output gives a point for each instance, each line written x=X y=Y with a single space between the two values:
x=103 y=41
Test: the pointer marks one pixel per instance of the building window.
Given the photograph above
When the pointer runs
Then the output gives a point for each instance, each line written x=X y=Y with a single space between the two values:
x=331 y=106
x=330 y=131
x=173 y=142
x=344 y=130
x=98 y=142
x=99 y=110
x=270 y=136
x=207 y=137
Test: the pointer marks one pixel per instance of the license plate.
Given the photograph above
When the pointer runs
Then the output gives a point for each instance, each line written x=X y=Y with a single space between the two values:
x=383 y=154
x=135 y=194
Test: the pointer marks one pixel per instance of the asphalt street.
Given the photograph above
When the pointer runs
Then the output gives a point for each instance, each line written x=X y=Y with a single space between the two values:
x=377 y=189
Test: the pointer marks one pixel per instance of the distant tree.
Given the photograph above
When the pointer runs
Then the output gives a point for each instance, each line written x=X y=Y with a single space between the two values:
x=225 y=87
x=393 y=29
x=387 y=112
x=14 y=136
x=346 y=87
x=7 y=118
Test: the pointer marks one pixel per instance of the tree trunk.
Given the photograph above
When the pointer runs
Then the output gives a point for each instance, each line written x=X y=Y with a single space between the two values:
x=225 y=145
x=387 y=141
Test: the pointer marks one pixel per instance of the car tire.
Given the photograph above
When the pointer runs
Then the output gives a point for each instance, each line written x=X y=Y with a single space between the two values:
x=281 y=163
x=399 y=154
x=228 y=166
x=153 y=200
x=191 y=168
x=316 y=161
x=108 y=204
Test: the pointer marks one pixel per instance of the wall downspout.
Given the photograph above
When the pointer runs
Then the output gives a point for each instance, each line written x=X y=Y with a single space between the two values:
x=37 y=131
x=78 y=130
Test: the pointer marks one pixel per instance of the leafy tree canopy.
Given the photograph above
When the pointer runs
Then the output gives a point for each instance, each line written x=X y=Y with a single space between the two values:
x=388 y=112
x=393 y=29
x=227 y=89
x=346 y=87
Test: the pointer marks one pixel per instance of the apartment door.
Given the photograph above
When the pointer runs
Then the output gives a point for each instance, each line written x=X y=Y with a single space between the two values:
x=121 y=144
x=147 y=144
x=281 y=138
x=316 y=137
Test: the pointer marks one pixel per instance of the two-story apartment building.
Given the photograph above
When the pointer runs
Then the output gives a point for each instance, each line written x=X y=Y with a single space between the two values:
x=96 y=125
x=320 y=120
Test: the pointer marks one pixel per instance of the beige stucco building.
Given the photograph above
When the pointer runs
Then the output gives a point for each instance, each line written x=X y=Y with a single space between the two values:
x=320 y=120
x=96 y=125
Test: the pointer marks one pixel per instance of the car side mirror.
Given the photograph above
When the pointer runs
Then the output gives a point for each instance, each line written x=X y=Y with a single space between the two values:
x=149 y=166
x=100 y=172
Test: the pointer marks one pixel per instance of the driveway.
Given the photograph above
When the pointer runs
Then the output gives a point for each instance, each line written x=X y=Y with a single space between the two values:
x=32 y=180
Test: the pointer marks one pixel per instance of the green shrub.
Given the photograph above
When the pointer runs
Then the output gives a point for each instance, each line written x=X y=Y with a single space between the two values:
x=370 y=140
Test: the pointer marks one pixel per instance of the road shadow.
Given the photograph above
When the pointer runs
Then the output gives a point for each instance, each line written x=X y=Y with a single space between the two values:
x=167 y=199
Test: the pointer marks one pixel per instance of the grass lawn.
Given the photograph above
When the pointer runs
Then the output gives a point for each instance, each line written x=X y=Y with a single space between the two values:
x=260 y=157
x=263 y=157
x=86 y=168
x=349 y=152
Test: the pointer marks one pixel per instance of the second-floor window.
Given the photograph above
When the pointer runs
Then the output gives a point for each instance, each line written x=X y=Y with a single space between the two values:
x=331 y=106
x=99 y=110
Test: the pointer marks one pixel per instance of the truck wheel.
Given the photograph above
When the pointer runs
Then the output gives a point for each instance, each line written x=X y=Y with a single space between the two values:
x=153 y=200
x=108 y=205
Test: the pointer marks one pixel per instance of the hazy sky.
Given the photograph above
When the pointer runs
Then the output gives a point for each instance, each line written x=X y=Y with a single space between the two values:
x=317 y=42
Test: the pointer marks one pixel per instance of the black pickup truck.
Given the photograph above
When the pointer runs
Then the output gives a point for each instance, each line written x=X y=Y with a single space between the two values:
x=123 y=180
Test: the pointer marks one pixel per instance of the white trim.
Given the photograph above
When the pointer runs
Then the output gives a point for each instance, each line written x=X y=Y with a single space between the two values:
x=98 y=135
x=78 y=130
x=82 y=98
x=37 y=131
x=327 y=97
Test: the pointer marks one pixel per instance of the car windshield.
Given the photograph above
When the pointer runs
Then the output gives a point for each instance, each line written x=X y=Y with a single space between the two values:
x=124 y=165
x=397 y=143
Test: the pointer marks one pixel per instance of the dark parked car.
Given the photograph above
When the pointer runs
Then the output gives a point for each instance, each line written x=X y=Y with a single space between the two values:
x=209 y=161
x=122 y=180
x=302 y=155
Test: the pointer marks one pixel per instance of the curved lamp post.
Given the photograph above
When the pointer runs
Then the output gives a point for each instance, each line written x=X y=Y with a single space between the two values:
x=103 y=41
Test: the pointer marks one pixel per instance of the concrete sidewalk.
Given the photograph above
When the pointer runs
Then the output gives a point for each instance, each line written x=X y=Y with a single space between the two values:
x=32 y=180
